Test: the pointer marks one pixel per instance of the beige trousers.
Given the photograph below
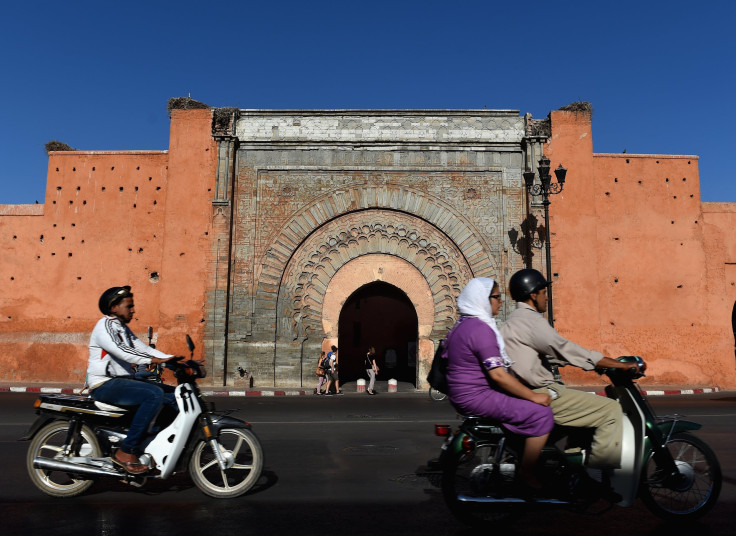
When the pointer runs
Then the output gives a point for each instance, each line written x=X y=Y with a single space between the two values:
x=586 y=410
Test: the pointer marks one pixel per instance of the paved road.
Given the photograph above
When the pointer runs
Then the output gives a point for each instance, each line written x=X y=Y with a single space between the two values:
x=339 y=465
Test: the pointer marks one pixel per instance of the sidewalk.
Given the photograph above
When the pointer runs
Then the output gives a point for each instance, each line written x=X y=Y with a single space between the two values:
x=403 y=389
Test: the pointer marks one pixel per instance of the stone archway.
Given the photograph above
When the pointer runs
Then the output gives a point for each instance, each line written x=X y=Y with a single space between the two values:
x=378 y=315
x=392 y=271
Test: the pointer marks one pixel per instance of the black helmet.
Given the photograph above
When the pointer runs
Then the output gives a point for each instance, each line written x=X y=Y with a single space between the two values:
x=524 y=282
x=113 y=296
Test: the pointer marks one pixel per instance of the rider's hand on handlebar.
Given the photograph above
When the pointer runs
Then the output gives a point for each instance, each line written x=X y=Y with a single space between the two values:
x=174 y=358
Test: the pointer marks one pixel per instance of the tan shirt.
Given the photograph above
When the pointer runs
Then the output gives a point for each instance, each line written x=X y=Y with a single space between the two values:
x=532 y=344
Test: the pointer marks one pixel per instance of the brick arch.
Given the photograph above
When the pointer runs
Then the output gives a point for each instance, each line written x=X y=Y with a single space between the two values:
x=370 y=268
x=308 y=274
x=303 y=287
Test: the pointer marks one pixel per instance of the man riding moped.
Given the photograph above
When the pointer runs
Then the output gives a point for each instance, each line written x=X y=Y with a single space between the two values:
x=535 y=347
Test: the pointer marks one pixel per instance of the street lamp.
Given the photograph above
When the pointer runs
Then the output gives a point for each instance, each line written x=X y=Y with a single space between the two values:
x=545 y=189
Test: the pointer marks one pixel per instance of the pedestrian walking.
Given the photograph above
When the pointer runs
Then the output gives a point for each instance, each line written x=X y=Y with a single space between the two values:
x=371 y=369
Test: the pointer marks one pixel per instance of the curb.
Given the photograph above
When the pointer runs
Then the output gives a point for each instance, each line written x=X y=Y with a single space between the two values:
x=665 y=392
x=303 y=392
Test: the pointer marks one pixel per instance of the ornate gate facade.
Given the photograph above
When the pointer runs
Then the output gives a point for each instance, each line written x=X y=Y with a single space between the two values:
x=314 y=205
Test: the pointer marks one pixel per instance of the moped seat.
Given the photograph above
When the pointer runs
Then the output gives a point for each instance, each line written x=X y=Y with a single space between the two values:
x=109 y=407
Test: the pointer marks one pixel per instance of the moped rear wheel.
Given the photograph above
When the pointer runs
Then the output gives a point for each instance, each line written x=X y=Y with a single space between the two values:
x=692 y=493
x=48 y=443
x=470 y=482
x=244 y=459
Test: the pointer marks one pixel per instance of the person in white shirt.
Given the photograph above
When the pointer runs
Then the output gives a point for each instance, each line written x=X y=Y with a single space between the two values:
x=113 y=350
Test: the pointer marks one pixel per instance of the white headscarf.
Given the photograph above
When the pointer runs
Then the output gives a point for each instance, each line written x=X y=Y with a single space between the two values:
x=474 y=301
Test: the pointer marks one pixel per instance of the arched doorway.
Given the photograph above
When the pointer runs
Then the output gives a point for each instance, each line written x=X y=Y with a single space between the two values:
x=381 y=315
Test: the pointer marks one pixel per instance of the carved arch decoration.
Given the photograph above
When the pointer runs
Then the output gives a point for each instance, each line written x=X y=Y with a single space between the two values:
x=359 y=234
x=452 y=229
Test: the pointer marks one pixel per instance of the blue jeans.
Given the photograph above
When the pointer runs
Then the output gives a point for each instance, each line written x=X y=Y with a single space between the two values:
x=147 y=396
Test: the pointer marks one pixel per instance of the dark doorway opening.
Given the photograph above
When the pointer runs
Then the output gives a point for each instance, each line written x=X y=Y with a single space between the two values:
x=379 y=315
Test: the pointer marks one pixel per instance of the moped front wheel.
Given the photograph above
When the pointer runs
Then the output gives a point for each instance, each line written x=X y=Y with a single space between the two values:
x=472 y=480
x=49 y=443
x=694 y=491
x=243 y=457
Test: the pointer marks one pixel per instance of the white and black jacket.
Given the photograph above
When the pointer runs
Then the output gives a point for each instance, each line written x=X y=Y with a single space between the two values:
x=113 y=349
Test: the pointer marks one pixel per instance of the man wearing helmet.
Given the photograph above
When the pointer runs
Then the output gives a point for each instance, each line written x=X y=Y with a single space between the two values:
x=536 y=347
x=113 y=349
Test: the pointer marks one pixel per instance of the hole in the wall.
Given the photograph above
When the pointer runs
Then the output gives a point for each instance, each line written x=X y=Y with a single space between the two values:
x=79 y=278
x=74 y=169
x=79 y=188
x=58 y=188
x=121 y=188
x=41 y=239
x=153 y=277
x=53 y=202
x=103 y=188
x=70 y=254
x=84 y=202
x=112 y=168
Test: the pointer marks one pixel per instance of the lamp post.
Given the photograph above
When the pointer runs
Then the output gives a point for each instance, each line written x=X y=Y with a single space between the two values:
x=546 y=188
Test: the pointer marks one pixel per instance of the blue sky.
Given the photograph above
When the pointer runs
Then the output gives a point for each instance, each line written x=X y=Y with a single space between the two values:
x=98 y=75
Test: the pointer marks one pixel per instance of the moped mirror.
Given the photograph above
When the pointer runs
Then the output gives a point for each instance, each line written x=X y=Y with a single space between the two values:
x=190 y=343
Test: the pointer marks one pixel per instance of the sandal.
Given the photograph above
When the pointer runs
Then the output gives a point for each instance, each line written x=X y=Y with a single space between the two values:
x=129 y=462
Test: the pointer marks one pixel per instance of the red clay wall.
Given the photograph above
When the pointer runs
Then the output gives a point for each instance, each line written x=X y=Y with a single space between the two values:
x=108 y=219
x=639 y=270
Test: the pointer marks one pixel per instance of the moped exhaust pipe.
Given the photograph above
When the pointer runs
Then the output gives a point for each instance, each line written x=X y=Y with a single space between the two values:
x=74 y=468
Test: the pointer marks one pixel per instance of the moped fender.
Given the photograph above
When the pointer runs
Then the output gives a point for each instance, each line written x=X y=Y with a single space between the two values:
x=672 y=427
x=220 y=422
x=39 y=423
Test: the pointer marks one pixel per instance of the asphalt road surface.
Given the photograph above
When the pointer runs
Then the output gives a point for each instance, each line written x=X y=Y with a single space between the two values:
x=353 y=465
